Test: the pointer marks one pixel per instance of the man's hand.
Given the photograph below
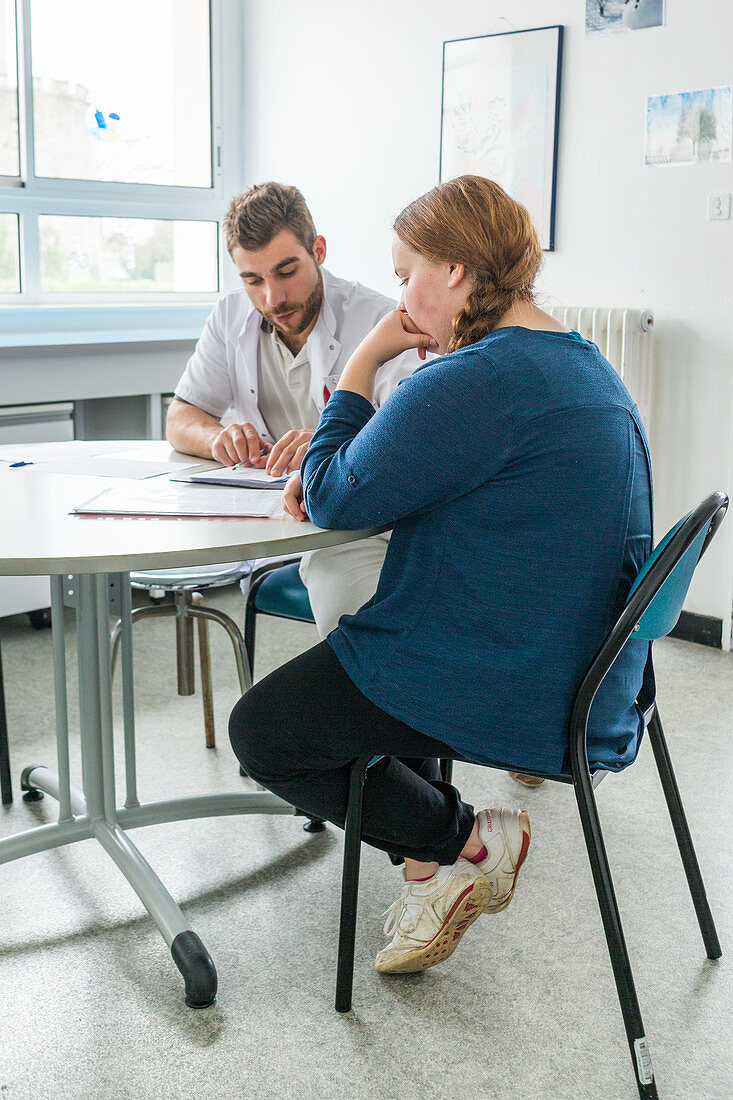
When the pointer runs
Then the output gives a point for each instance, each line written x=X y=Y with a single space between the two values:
x=240 y=443
x=292 y=498
x=288 y=453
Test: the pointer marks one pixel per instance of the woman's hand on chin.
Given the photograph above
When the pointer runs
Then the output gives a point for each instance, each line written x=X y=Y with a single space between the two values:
x=409 y=326
x=393 y=335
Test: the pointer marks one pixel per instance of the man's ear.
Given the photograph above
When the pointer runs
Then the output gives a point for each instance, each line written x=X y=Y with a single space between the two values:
x=319 y=249
x=456 y=275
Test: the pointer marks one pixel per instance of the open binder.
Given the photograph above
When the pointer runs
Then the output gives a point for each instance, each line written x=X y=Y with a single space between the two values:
x=168 y=498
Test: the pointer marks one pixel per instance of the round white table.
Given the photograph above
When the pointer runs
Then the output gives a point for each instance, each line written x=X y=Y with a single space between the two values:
x=89 y=560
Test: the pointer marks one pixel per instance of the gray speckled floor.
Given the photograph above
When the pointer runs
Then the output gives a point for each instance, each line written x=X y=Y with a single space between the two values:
x=92 y=1004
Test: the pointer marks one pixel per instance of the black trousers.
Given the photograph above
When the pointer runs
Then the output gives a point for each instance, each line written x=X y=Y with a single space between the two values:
x=298 y=731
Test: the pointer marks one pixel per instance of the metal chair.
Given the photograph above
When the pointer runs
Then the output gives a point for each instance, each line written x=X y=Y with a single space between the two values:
x=187 y=584
x=652 y=609
x=275 y=589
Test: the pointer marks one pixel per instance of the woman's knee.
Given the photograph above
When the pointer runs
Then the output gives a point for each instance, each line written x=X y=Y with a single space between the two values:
x=252 y=736
x=278 y=727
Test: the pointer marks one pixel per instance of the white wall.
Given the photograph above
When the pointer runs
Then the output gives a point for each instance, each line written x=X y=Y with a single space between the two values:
x=343 y=100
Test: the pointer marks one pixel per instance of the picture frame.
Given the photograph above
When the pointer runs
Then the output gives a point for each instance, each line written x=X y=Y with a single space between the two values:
x=500 y=115
x=603 y=17
x=684 y=128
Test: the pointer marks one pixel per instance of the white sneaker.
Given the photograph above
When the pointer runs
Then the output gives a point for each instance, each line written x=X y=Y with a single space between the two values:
x=528 y=780
x=430 y=917
x=506 y=835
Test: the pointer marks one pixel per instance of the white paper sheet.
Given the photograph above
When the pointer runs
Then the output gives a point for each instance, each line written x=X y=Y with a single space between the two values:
x=112 y=466
x=166 y=498
x=33 y=453
x=249 y=477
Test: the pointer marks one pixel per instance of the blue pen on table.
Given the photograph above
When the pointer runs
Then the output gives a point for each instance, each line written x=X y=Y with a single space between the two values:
x=14 y=465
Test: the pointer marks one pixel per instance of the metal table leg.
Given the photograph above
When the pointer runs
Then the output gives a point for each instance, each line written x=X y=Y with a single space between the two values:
x=92 y=811
x=6 y=789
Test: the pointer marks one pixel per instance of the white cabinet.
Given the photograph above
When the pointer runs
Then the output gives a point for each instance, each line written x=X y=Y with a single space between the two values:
x=21 y=424
x=51 y=423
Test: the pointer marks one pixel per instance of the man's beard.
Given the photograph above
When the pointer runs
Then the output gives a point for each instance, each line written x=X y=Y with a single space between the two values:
x=310 y=309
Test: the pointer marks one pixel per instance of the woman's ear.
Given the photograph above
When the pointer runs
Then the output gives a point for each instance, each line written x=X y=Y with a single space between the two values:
x=456 y=275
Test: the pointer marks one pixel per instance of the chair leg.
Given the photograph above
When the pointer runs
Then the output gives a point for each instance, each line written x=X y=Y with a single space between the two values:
x=6 y=787
x=188 y=606
x=250 y=629
x=684 y=840
x=235 y=636
x=207 y=694
x=640 y=1057
x=350 y=887
x=446 y=770
x=158 y=611
x=184 y=642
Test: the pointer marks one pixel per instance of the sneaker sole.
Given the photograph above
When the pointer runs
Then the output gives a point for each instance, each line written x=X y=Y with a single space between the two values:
x=471 y=904
x=527 y=780
x=526 y=837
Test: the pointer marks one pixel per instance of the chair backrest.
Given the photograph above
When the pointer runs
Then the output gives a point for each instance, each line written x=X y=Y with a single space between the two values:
x=674 y=561
x=655 y=600
x=653 y=606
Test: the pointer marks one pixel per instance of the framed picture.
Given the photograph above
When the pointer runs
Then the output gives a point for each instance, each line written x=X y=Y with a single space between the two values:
x=689 y=127
x=612 y=16
x=500 y=115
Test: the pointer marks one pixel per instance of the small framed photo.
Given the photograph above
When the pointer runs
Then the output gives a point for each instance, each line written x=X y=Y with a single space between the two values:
x=689 y=127
x=500 y=116
x=614 y=16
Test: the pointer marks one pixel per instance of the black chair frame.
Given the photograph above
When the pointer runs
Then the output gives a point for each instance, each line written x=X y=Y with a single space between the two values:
x=251 y=612
x=708 y=514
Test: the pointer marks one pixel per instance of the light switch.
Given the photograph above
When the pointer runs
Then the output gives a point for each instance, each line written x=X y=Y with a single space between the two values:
x=719 y=207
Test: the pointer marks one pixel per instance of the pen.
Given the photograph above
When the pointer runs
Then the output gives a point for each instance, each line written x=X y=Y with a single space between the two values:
x=14 y=465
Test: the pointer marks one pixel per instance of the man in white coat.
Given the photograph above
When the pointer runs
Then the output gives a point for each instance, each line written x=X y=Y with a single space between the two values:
x=274 y=353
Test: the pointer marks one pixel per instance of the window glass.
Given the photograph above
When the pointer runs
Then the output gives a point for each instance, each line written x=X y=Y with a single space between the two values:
x=9 y=163
x=126 y=255
x=9 y=254
x=121 y=92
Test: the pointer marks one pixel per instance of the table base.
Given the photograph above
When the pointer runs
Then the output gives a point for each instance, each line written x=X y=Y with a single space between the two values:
x=92 y=812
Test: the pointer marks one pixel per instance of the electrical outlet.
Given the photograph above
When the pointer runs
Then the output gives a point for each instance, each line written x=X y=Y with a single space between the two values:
x=719 y=207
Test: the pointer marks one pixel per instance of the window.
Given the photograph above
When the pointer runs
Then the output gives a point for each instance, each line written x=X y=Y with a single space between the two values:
x=110 y=183
x=124 y=97
x=9 y=162
x=9 y=254
x=88 y=255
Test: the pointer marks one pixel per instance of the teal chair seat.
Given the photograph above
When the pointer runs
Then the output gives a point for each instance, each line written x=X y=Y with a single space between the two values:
x=275 y=589
x=283 y=593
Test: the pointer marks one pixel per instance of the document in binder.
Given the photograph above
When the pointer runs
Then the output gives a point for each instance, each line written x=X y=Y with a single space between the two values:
x=174 y=499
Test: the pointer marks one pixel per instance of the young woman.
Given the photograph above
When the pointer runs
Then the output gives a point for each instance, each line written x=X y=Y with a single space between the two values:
x=515 y=471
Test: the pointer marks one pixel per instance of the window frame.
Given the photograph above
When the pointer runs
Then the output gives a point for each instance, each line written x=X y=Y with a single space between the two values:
x=29 y=196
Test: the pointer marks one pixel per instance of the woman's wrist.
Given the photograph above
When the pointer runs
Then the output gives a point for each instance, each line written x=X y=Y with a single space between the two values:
x=360 y=373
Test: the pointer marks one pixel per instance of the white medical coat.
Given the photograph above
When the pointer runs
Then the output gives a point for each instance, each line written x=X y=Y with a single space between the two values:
x=222 y=372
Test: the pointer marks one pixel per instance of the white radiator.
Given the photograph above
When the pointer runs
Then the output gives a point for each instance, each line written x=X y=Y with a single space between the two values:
x=625 y=337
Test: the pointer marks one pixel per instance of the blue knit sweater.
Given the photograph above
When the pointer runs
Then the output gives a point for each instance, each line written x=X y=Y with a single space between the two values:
x=516 y=474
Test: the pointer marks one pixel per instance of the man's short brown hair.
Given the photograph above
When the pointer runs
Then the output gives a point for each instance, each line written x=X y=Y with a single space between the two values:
x=257 y=215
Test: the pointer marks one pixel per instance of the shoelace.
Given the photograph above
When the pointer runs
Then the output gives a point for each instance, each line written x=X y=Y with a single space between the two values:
x=397 y=911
